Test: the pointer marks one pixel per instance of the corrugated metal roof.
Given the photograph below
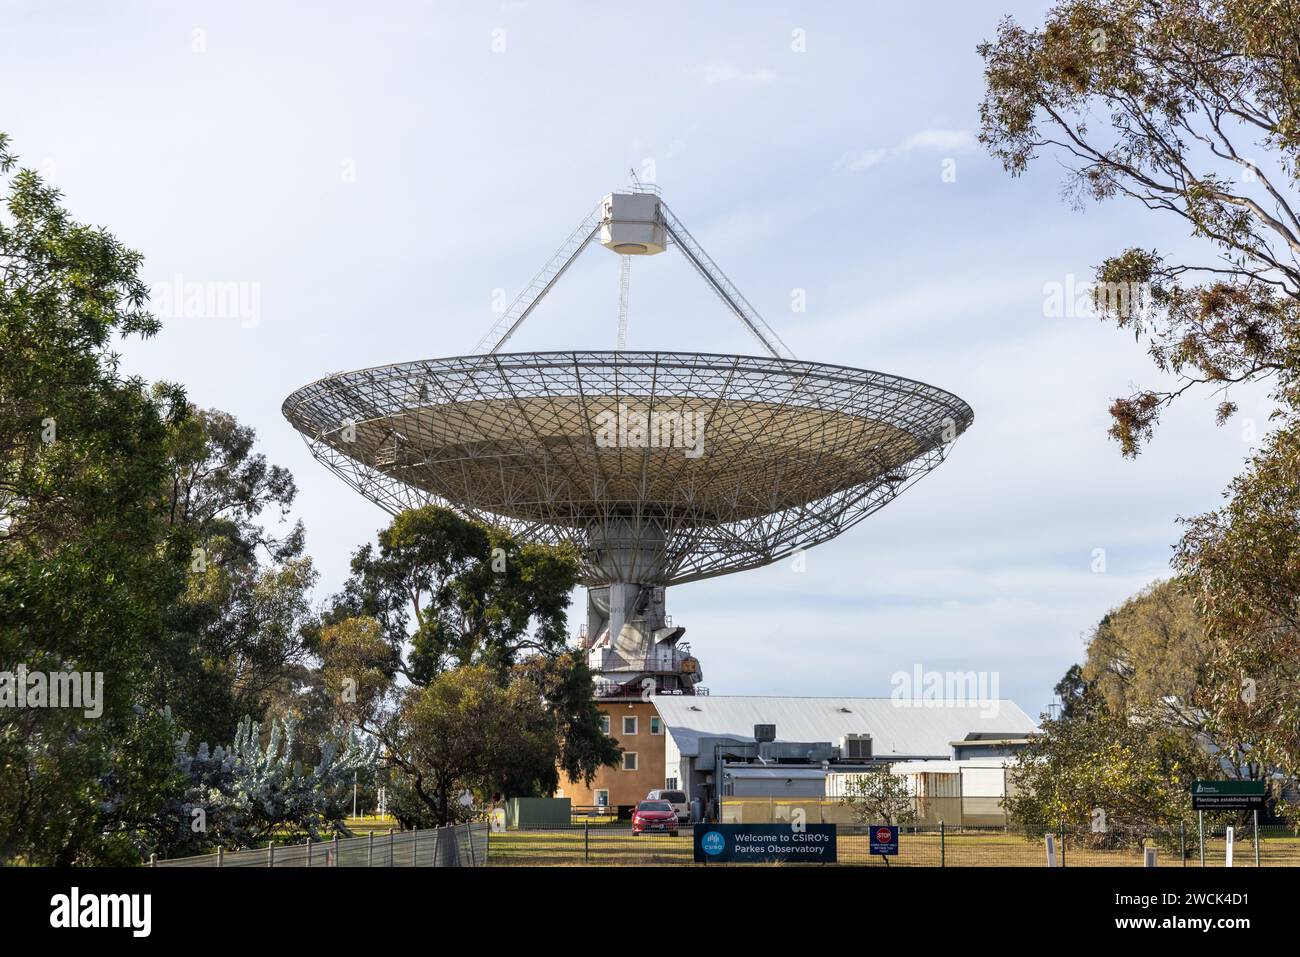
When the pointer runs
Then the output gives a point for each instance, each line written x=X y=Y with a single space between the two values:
x=897 y=727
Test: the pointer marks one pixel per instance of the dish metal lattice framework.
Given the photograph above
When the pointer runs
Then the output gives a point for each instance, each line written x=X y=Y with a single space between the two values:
x=742 y=461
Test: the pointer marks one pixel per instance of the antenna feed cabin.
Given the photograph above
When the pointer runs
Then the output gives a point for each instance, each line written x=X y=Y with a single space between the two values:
x=631 y=224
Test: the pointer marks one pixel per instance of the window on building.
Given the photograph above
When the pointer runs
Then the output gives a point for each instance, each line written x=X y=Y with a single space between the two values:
x=629 y=760
x=604 y=724
x=602 y=799
x=670 y=784
x=656 y=726
x=629 y=724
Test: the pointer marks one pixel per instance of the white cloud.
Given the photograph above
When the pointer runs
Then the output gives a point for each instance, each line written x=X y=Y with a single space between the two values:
x=946 y=142
x=862 y=159
x=939 y=141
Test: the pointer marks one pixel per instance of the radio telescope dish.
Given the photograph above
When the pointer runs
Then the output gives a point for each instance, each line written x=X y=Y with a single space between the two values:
x=660 y=467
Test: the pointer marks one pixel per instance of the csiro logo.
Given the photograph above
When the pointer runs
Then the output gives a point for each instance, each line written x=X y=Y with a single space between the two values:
x=713 y=842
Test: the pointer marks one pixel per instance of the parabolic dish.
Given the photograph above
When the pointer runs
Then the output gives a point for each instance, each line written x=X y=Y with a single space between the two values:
x=718 y=463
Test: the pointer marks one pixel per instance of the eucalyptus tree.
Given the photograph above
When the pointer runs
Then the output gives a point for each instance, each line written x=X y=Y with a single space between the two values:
x=88 y=562
x=1191 y=109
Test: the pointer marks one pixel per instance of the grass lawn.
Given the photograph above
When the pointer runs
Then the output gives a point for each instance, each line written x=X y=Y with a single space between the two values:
x=364 y=824
x=601 y=846
x=609 y=845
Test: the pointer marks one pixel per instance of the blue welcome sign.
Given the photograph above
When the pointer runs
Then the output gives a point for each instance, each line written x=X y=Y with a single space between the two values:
x=765 y=843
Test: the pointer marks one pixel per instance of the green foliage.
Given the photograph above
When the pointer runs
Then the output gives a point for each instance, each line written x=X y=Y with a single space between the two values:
x=358 y=669
x=1193 y=110
x=245 y=617
x=879 y=796
x=465 y=732
x=1078 y=695
x=1139 y=723
x=412 y=812
x=440 y=603
x=1148 y=657
x=129 y=546
x=1244 y=562
x=565 y=683
x=1137 y=775
x=88 y=562
x=238 y=797
x=220 y=487
x=459 y=593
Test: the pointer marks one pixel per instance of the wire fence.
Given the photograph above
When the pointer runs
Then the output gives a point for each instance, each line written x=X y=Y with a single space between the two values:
x=968 y=811
x=942 y=846
x=919 y=845
x=458 y=845
x=925 y=845
x=596 y=844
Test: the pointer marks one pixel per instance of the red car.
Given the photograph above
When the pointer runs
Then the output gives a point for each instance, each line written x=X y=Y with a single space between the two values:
x=654 y=816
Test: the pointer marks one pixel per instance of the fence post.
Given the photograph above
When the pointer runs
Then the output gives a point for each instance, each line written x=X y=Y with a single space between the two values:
x=1062 y=843
x=1182 y=842
x=415 y=848
x=390 y=847
x=469 y=838
x=1200 y=834
x=270 y=853
x=221 y=856
x=309 y=851
x=942 y=862
x=586 y=840
x=961 y=801
x=336 y=849
x=1006 y=814
x=1257 y=837
x=370 y=850
x=153 y=860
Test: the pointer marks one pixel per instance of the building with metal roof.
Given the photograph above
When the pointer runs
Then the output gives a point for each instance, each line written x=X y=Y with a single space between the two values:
x=706 y=734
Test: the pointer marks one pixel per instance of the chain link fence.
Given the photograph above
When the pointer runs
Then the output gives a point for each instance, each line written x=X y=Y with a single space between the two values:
x=943 y=846
x=458 y=845
x=613 y=844
x=975 y=812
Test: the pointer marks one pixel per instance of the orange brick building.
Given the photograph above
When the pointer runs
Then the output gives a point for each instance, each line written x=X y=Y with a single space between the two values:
x=639 y=731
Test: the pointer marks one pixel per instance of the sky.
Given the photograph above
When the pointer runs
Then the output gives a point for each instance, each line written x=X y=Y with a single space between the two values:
x=370 y=179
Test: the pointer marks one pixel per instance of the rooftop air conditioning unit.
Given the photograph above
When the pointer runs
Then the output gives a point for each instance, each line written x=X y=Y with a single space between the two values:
x=818 y=752
x=856 y=747
x=781 y=751
x=764 y=732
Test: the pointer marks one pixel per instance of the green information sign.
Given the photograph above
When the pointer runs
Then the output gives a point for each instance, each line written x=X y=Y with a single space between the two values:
x=1228 y=795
